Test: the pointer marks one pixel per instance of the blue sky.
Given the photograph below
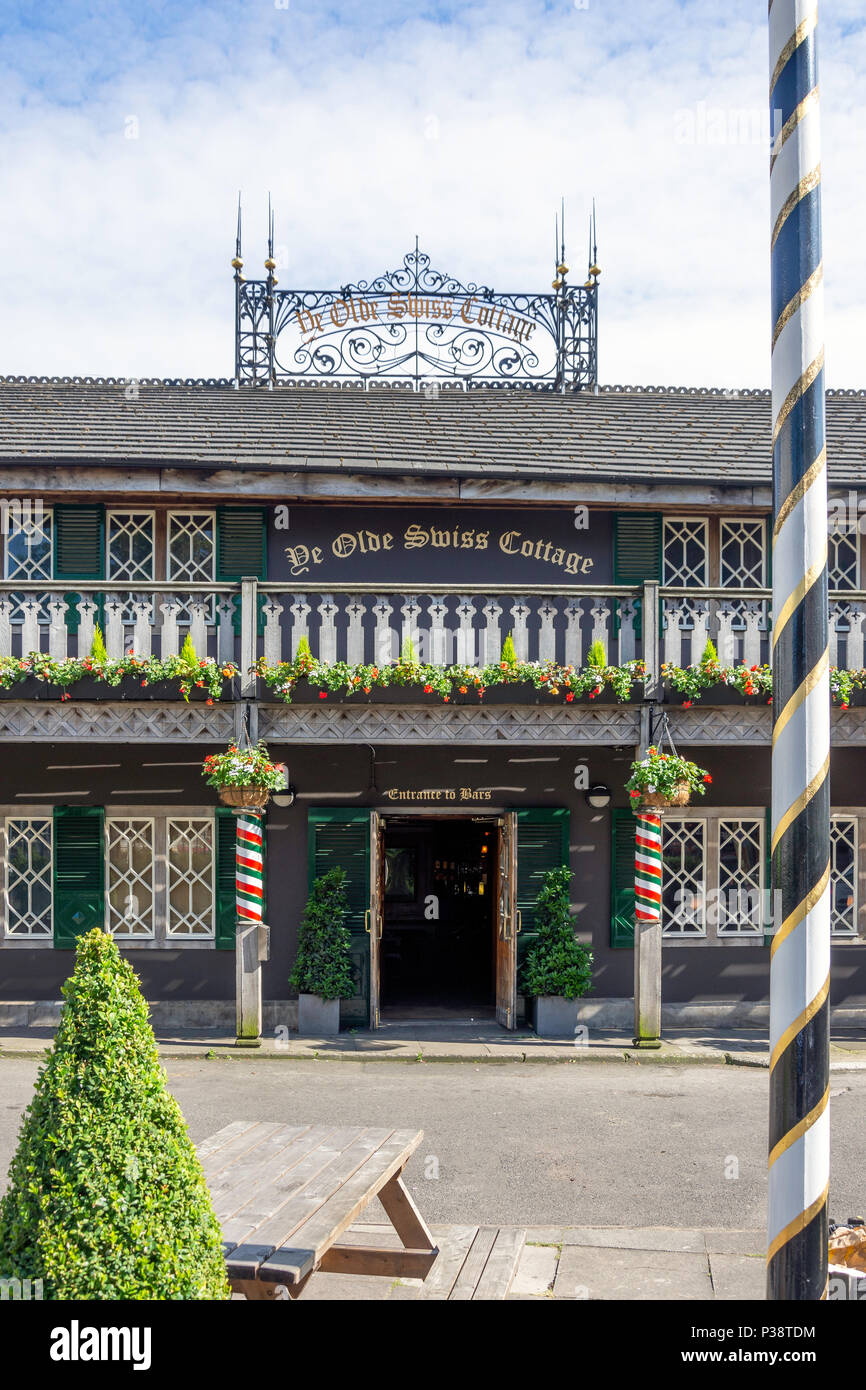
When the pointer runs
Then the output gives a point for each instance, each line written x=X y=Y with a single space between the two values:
x=127 y=130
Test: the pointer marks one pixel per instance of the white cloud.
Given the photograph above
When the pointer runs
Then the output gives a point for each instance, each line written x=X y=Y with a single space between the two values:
x=368 y=127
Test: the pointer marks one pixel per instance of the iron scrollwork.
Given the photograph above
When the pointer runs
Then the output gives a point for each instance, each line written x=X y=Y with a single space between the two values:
x=416 y=325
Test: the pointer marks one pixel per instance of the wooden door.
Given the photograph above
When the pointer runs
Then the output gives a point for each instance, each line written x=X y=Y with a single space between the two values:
x=506 y=936
x=375 y=916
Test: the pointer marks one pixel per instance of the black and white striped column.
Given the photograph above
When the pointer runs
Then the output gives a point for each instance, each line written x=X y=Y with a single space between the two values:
x=799 y=1158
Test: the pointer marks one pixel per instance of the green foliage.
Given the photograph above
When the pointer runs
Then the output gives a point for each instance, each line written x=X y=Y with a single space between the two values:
x=107 y=1199
x=242 y=767
x=188 y=653
x=509 y=655
x=303 y=653
x=597 y=656
x=98 y=649
x=710 y=656
x=556 y=963
x=408 y=654
x=323 y=965
x=663 y=773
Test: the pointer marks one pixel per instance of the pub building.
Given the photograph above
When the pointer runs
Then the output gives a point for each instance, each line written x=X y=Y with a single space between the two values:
x=409 y=470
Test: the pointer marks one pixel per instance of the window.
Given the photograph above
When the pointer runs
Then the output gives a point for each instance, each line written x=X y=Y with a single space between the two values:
x=741 y=877
x=28 y=543
x=190 y=859
x=741 y=545
x=129 y=877
x=843 y=558
x=843 y=875
x=683 y=876
x=684 y=552
x=130 y=545
x=191 y=546
x=28 y=877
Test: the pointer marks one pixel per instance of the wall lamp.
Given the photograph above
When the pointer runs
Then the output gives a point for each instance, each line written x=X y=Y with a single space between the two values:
x=598 y=796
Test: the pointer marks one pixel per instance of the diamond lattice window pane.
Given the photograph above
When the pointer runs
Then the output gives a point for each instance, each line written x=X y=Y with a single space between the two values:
x=190 y=877
x=741 y=877
x=683 y=877
x=28 y=544
x=843 y=875
x=191 y=546
x=742 y=554
x=28 y=877
x=129 y=880
x=843 y=550
x=130 y=545
x=684 y=551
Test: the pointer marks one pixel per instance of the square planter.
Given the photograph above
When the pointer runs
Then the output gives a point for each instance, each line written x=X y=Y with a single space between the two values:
x=552 y=1016
x=318 y=1017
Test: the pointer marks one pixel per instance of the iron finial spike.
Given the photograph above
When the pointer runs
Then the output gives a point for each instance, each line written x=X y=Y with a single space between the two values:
x=562 y=244
x=238 y=238
x=594 y=245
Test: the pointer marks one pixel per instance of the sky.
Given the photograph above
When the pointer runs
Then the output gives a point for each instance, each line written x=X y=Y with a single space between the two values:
x=127 y=131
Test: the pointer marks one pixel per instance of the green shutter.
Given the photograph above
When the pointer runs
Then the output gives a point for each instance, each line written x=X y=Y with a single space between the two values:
x=78 y=872
x=339 y=837
x=637 y=547
x=622 y=880
x=637 y=554
x=225 y=908
x=542 y=845
x=79 y=541
x=241 y=543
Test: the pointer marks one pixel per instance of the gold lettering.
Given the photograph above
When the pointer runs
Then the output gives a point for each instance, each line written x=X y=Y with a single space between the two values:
x=440 y=539
x=587 y=565
x=414 y=538
x=396 y=306
x=506 y=542
x=464 y=312
x=339 y=307
x=467 y=540
x=344 y=545
x=481 y=542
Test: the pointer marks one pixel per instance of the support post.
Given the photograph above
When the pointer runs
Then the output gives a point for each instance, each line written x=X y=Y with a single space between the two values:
x=651 y=637
x=249 y=628
x=648 y=930
x=799 y=1139
x=251 y=935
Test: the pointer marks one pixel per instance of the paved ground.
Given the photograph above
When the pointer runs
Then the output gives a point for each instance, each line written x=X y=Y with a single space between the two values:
x=638 y=1145
x=481 y=1042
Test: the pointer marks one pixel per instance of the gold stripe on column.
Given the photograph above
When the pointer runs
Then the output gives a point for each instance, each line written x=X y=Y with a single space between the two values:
x=803 y=28
x=797 y=595
x=800 y=1022
x=801 y=803
x=802 y=693
x=794 y=1134
x=799 y=1224
x=800 y=911
x=794 y=303
x=806 y=184
x=794 y=496
x=796 y=116
x=796 y=391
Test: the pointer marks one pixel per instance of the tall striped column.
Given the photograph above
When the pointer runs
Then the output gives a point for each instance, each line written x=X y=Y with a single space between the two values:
x=248 y=867
x=799 y=1149
x=648 y=868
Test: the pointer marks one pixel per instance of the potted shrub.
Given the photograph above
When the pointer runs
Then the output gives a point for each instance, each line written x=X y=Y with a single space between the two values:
x=322 y=972
x=664 y=779
x=243 y=776
x=558 y=968
x=106 y=1198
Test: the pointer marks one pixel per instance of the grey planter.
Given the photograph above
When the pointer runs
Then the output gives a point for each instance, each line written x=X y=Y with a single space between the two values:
x=318 y=1017
x=554 y=1017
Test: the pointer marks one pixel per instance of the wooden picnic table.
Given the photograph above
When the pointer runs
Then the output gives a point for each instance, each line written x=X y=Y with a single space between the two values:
x=284 y=1194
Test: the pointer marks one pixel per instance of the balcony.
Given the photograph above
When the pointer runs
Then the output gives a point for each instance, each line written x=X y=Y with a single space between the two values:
x=242 y=623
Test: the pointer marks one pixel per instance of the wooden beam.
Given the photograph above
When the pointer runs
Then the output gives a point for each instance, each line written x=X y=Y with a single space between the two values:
x=373 y=1260
x=404 y=1215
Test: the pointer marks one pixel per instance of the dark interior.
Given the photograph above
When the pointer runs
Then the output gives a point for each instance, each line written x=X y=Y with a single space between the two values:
x=439 y=966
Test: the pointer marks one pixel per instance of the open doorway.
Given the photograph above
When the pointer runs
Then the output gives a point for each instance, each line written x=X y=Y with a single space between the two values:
x=438 y=948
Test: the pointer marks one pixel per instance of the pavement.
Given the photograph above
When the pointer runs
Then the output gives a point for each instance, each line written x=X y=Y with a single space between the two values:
x=593 y=1263
x=473 y=1042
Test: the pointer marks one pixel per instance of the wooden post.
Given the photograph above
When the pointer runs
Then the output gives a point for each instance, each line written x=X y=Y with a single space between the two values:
x=651 y=642
x=249 y=627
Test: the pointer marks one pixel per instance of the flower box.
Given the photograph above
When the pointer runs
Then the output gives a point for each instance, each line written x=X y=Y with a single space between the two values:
x=254 y=798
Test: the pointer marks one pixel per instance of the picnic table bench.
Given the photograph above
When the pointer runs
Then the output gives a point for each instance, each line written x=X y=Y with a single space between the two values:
x=284 y=1194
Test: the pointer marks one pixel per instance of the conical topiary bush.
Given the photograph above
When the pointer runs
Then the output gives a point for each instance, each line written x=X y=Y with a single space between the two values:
x=106 y=1196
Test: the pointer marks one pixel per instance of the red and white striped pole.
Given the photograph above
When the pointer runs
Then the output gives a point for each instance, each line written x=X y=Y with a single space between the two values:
x=648 y=929
x=249 y=866
x=250 y=949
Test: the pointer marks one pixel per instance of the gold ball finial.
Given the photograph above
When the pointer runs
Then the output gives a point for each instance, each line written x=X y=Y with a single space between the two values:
x=270 y=264
x=562 y=269
x=556 y=284
x=595 y=270
x=237 y=262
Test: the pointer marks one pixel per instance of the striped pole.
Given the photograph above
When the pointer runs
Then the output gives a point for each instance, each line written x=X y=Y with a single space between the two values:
x=799 y=1148
x=648 y=868
x=248 y=867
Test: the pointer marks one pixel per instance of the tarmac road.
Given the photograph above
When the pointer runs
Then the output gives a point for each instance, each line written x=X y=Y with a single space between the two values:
x=591 y=1145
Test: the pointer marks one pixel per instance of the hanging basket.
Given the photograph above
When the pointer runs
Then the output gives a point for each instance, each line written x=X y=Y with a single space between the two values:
x=253 y=798
x=681 y=796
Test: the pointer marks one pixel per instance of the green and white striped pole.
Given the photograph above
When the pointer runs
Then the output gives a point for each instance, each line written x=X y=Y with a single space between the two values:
x=799 y=1141
x=249 y=878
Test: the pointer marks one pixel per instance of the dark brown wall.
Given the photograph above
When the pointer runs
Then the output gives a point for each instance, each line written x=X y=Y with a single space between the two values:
x=740 y=778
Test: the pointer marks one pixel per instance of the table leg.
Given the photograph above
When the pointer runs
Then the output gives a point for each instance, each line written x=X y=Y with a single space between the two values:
x=404 y=1215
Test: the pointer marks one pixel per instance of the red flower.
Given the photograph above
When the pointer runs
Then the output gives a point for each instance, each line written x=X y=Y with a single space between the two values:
x=144 y=682
x=446 y=698
x=633 y=794
x=707 y=777
x=570 y=696
x=592 y=694
x=753 y=668
x=844 y=704
x=208 y=701
x=200 y=685
x=323 y=694
x=428 y=689
x=463 y=690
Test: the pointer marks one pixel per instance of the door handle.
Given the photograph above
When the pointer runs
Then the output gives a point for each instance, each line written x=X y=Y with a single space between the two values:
x=519 y=920
x=367 y=920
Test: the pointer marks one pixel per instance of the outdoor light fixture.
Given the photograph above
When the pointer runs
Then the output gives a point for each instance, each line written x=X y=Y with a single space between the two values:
x=598 y=796
x=286 y=795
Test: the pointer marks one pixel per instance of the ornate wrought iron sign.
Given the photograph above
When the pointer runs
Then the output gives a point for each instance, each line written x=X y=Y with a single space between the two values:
x=417 y=326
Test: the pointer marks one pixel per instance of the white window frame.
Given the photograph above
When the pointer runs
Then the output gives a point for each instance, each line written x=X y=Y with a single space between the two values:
x=112 y=512
x=173 y=936
x=742 y=931
x=48 y=514
x=835 y=932
x=189 y=512
x=739 y=521
x=672 y=931
x=113 y=818
x=28 y=938
x=704 y=523
x=160 y=815
x=854 y=539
